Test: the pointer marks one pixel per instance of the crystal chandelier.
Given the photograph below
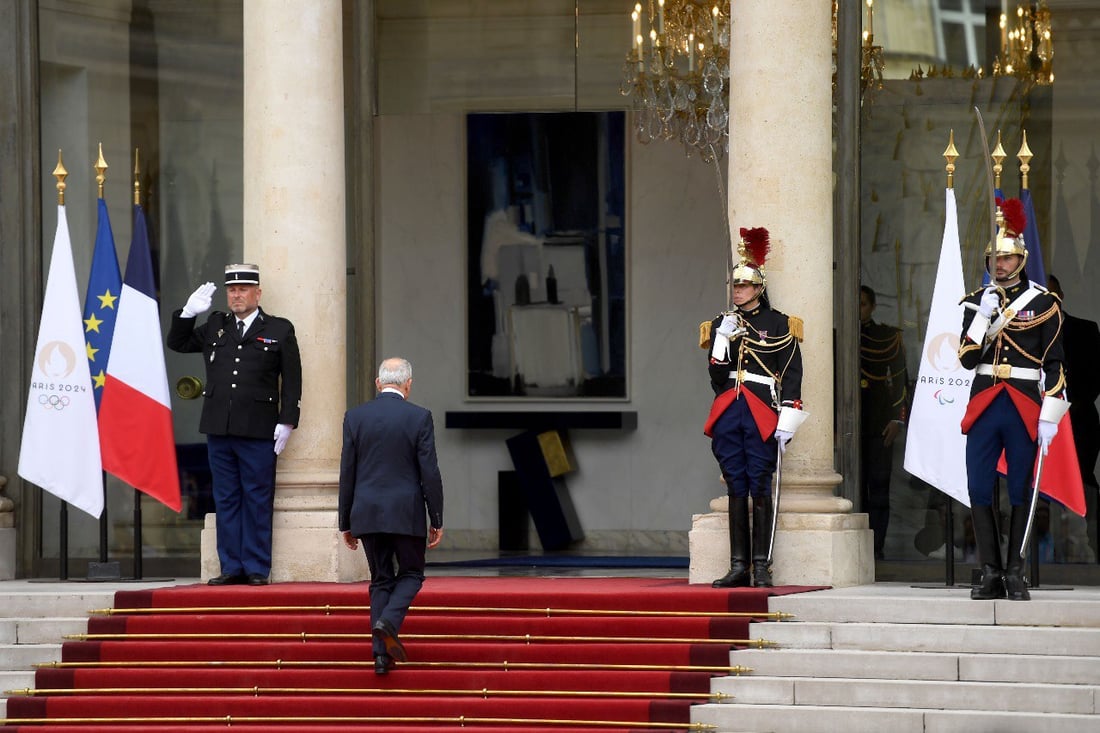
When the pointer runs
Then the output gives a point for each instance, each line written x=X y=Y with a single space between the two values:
x=1027 y=44
x=677 y=74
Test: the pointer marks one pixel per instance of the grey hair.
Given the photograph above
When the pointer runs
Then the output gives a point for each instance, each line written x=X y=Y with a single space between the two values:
x=394 y=371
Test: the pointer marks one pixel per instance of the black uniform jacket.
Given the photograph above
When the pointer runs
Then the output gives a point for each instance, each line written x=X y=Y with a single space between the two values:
x=767 y=349
x=252 y=384
x=883 y=386
x=389 y=473
x=1030 y=340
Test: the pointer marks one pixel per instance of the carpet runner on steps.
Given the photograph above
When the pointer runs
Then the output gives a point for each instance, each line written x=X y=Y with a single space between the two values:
x=485 y=654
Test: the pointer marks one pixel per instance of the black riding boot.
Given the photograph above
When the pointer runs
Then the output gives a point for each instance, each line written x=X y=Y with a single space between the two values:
x=1015 y=581
x=761 y=540
x=988 y=542
x=738 y=576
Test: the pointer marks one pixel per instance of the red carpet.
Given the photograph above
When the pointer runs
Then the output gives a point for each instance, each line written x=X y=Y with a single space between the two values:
x=485 y=654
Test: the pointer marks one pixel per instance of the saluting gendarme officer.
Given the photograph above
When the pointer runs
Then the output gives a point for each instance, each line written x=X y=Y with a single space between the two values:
x=251 y=404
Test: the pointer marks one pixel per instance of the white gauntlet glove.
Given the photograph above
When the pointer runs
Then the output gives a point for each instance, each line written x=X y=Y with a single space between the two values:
x=199 y=302
x=989 y=303
x=1047 y=431
x=782 y=437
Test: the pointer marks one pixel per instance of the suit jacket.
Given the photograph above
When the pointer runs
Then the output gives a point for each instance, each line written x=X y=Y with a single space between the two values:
x=1081 y=339
x=389 y=472
x=252 y=384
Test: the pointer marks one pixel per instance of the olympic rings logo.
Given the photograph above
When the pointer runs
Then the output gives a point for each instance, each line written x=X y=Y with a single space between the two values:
x=53 y=401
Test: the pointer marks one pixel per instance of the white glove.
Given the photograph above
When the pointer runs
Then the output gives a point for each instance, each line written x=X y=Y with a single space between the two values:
x=1047 y=431
x=783 y=437
x=989 y=304
x=199 y=302
x=727 y=326
x=282 y=435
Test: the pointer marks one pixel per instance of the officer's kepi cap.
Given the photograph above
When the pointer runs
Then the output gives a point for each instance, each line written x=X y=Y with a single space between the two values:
x=242 y=274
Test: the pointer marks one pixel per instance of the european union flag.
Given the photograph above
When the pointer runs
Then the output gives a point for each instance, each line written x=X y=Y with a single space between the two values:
x=1036 y=273
x=101 y=302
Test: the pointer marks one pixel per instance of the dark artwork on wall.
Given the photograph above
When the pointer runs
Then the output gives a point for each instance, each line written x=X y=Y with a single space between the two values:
x=546 y=265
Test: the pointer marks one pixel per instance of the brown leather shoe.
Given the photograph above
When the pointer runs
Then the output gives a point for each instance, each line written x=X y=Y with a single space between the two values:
x=385 y=631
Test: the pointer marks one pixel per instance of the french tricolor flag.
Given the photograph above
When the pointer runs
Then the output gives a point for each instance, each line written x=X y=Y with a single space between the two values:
x=135 y=414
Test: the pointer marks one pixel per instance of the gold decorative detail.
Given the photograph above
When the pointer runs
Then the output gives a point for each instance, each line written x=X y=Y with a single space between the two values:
x=951 y=154
x=797 y=327
x=100 y=171
x=1024 y=156
x=677 y=74
x=871 y=62
x=1027 y=44
x=137 y=178
x=704 y=334
x=60 y=174
x=189 y=388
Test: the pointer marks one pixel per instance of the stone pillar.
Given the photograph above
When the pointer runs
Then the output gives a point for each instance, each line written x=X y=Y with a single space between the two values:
x=294 y=229
x=780 y=177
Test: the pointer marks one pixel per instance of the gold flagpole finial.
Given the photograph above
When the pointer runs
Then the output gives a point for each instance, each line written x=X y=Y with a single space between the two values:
x=951 y=154
x=1025 y=162
x=100 y=171
x=998 y=155
x=137 y=177
x=60 y=174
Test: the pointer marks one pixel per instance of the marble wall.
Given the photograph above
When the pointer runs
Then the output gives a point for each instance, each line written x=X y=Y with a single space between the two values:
x=635 y=491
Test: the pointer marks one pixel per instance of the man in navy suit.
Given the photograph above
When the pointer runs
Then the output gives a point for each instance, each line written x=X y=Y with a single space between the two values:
x=390 y=490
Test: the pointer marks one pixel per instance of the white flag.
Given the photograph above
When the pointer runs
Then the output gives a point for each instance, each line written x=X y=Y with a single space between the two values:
x=60 y=448
x=935 y=448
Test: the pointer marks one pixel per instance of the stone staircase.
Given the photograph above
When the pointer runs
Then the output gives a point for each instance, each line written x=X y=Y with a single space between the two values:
x=891 y=657
x=35 y=617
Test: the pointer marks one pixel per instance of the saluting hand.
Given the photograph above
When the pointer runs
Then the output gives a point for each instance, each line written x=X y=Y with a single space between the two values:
x=200 y=300
x=990 y=302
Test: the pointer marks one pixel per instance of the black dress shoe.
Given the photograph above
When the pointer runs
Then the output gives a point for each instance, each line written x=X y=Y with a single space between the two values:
x=387 y=634
x=383 y=663
x=257 y=579
x=226 y=579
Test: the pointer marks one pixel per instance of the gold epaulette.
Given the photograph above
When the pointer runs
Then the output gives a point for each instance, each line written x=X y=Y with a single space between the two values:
x=704 y=334
x=971 y=294
x=796 y=327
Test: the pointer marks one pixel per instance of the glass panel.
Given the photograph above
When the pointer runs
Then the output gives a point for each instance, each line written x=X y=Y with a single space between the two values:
x=905 y=129
x=165 y=78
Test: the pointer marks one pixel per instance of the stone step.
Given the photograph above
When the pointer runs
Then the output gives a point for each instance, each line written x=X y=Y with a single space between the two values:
x=46 y=630
x=919 y=666
x=803 y=718
x=56 y=603
x=907 y=693
x=901 y=603
x=930 y=638
x=15 y=680
x=21 y=657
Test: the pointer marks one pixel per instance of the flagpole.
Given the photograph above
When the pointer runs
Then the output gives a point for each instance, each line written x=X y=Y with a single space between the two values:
x=950 y=154
x=138 y=549
x=101 y=178
x=61 y=174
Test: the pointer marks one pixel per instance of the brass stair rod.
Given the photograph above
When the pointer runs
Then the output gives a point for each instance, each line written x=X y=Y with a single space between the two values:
x=526 y=638
x=461 y=720
x=548 y=612
x=311 y=664
x=257 y=691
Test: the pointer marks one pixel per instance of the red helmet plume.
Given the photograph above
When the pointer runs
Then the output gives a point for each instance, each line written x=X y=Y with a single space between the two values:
x=1015 y=218
x=757 y=244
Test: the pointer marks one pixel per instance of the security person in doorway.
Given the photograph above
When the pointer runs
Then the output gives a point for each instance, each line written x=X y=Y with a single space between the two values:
x=251 y=404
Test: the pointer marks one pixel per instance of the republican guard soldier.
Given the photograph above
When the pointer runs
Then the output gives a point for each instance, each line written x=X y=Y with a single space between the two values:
x=756 y=372
x=1012 y=338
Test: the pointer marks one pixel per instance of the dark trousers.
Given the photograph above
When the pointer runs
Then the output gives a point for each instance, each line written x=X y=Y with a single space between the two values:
x=747 y=462
x=396 y=573
x=243 y=472
x=999 y=428
x=878 y=465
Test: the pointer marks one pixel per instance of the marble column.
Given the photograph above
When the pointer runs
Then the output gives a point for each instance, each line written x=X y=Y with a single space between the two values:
x=780 y=177
x=294 y=229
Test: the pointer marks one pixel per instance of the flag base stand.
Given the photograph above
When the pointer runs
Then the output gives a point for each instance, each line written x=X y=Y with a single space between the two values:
x=111 y=570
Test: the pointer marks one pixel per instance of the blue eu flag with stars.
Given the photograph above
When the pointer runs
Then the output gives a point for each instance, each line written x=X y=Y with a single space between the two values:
x=101 y=301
